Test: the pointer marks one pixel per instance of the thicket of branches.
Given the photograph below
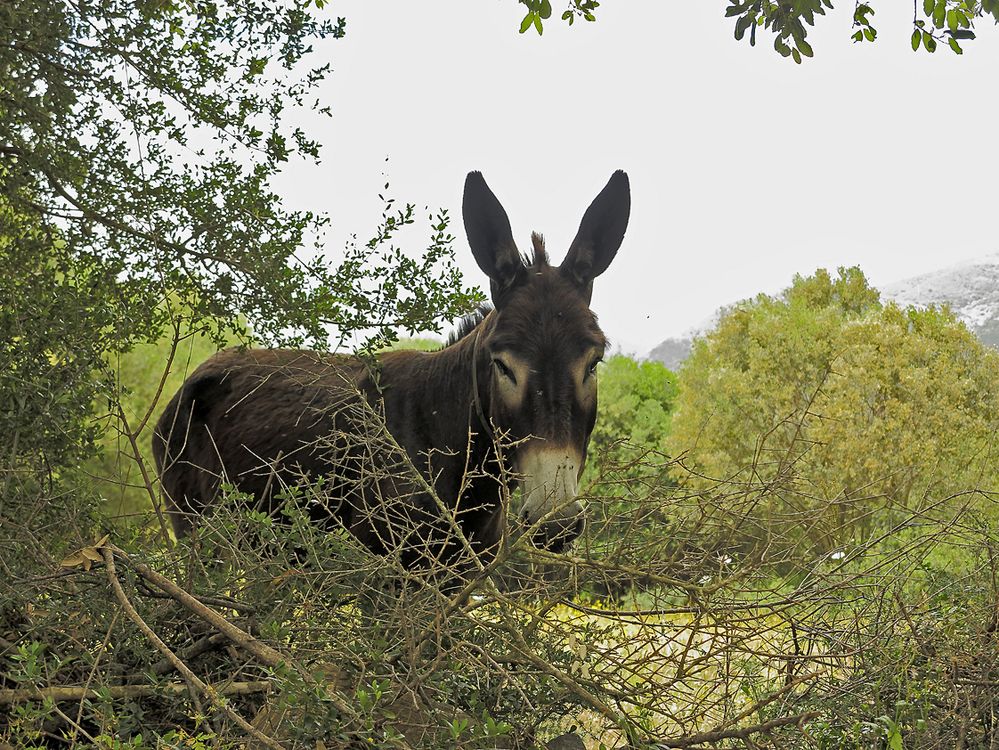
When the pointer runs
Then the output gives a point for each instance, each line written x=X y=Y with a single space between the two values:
x=678 y=620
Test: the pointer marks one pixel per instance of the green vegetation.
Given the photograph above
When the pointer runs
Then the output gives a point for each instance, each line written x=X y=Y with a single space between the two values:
x=934 y=22
x=138 y=377
x=860 y=410
x=636 y=401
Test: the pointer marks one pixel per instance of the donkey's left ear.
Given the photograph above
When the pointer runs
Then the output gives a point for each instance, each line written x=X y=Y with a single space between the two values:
x=600 y=234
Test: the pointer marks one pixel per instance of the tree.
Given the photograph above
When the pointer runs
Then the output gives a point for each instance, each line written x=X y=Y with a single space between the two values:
x=947 y=22
x=145 y=136
x=636 y=403
x=138 y=142
x=851 y=408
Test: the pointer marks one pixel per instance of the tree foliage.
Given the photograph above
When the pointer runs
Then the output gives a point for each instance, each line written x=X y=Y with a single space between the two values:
x=635 y=405
x=145 y=136
x=934 y=22
x=872 y=408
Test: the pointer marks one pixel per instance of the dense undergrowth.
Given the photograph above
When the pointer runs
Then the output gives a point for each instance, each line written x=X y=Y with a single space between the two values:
x=666 y=625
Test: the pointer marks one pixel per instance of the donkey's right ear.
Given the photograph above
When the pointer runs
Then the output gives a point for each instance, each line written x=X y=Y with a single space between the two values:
x=491 y=238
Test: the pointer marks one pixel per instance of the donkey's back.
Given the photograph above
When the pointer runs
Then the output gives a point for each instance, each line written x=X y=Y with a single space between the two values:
x=260 y=419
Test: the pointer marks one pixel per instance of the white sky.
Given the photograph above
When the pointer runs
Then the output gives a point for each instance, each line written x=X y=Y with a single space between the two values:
x=745 y=168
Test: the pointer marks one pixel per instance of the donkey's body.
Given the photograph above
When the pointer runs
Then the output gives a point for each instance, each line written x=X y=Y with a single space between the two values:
x=276 y=416
x=516 y=394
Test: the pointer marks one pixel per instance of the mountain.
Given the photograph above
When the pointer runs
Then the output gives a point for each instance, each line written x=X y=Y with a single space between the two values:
x=675 y=349
x=672 y=351
x=970 y=288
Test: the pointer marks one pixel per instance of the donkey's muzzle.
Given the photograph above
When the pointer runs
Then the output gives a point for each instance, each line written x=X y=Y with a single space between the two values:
x=557 y=534
x=551 y=510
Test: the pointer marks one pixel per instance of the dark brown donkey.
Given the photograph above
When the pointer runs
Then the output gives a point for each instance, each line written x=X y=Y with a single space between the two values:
x=523 y=377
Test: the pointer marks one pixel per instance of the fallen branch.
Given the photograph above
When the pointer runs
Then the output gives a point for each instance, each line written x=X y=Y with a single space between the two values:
x=165 y=666
x=738 y=733
x=213 y=601
x=61 y=694
x=260 y=651
x=263 y=653
x=192 y=679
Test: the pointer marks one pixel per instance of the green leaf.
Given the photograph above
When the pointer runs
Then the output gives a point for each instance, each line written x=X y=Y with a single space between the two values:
x=939 y=13
x=858 y=37
x=870 y=32
x=797 y=30
x=930 y=43
x=916 y=38
x=741 y=25
x=806 y=48
x=538 y=25
x=796 y=55
x=952 y=22
x=546 y=9
x=526 y=23
x=894 y=737
x=955 y=46
x=928 y=7
x=964 y=34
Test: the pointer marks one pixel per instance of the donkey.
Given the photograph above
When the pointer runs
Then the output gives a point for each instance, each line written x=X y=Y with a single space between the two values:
x=512 y=401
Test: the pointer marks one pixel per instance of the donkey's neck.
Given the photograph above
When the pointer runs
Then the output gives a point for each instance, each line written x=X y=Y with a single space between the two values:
x=459 y=377
x=430 y=401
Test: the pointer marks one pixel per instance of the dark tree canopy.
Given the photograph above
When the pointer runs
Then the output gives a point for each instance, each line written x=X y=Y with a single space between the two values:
x=143 y=137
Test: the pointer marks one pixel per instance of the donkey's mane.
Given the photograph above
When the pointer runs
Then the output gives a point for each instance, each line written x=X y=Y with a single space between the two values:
x=539 y=256
x=536 y=261
x=468 y=324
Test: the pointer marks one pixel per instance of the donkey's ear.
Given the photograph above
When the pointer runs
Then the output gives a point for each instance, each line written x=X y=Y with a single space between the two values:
x=491 y=238
x=600 y=234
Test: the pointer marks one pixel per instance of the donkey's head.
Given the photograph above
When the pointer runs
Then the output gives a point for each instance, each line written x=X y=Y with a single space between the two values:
x=544 y=344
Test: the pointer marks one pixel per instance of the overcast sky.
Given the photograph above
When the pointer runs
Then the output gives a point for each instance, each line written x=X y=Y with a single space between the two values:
x=745 y=168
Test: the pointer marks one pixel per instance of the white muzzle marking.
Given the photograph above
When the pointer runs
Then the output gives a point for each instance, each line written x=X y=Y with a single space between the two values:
x=551 y=486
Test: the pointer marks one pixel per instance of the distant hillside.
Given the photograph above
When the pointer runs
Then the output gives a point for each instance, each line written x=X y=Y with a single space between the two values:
x=672 y=351
x=970 y=288
x=675 y=349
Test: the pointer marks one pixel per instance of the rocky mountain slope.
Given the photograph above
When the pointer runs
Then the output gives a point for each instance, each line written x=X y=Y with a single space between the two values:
x=970 y=288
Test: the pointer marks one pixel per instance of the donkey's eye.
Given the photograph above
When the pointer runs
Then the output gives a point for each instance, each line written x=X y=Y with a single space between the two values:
x=592 y=370
x=505 y=371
